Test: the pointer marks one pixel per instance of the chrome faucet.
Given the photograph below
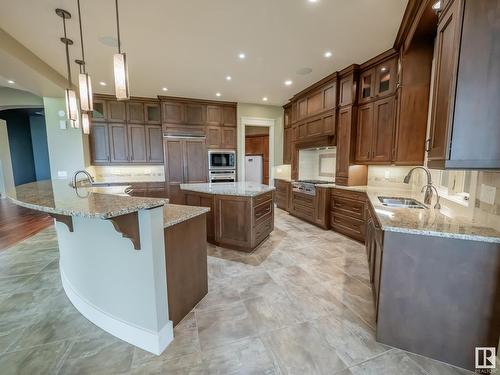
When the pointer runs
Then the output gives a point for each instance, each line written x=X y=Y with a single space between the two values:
x=89 y=177
x=428 y=187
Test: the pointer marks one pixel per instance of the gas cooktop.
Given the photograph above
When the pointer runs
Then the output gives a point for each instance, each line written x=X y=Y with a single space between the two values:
x=314 y=182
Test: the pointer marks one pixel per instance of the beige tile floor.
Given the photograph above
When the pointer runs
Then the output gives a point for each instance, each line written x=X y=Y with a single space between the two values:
x=300 y=304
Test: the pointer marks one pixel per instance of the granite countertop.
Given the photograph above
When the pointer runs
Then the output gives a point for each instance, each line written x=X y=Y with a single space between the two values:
x=176 y=213
x=446 y=222
x=58 y=197
x=241 y=189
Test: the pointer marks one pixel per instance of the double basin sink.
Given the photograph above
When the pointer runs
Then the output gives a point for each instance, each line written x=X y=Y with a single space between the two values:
x=401 y=202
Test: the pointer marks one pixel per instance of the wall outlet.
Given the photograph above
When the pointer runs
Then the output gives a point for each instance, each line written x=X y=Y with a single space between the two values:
x=62 y=124
x=62 y=174
x=488 y=194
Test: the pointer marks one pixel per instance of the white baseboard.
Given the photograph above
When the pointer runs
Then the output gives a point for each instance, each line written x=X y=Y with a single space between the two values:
x=153 y=342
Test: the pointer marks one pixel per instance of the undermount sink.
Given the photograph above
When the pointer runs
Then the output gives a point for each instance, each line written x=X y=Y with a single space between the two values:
x=401 y=202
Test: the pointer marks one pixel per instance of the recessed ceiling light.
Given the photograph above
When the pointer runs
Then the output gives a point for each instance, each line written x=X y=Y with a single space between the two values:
x=288 y=82
x=102 y=83
x=436 y=5
x=328 y=54
x=218 y=94
x=242 y=56
x=264 y=98
x=228 y=78
x=11 y=81
x=164 y=89
x=313 y=1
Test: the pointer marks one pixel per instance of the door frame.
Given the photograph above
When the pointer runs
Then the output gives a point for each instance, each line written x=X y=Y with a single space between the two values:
x=255 y=121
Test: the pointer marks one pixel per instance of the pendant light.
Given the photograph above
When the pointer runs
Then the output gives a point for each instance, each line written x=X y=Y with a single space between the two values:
x=69 y=94
x=84 y=82
x=120 y=66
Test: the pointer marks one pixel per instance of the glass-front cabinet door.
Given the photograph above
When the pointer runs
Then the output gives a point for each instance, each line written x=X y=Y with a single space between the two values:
x=386 y=76
x=366 y=85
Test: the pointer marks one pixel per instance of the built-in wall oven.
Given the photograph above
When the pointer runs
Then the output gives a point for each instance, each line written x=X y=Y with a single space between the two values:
x=222 y=165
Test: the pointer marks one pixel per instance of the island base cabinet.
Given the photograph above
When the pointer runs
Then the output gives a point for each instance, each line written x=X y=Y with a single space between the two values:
x=439 y=297
x=236 y=222
x=186 y=262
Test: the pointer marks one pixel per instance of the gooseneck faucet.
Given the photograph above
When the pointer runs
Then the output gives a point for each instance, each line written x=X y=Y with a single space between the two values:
x=89 y=177
x=428 y=187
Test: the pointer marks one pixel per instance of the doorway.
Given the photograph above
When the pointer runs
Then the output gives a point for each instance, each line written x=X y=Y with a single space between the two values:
x=27 y=139
x=262 y=128
x=257 y=154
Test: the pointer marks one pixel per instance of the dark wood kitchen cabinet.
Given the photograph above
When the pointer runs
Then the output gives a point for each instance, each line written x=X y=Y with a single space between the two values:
x=379 y=80
x=154 y=144
x=214 y=115
x=465 y=113
x=229 y=115
x=173 y=112
x=187 y=163
x=116 y=111
x=137 y=139
x=311 y=208
x=347 y=213
x=137 y=143
x=287 y=146
x=282 y=196
x=195 y=114
x=118 y=143
x=99 y=143
x=135 y=112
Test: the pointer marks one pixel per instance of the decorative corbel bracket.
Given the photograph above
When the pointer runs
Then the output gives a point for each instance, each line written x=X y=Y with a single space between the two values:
x=65 y=219
x=128 y=226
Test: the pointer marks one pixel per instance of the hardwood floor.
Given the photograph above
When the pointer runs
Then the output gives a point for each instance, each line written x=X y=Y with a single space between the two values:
x=18 y=223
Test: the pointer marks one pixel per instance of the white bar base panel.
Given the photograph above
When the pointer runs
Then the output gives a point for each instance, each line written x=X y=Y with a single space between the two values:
x=153 y=342
x=119 y=289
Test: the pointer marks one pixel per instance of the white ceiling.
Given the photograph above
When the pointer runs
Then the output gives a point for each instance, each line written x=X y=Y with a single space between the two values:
x=190 y=46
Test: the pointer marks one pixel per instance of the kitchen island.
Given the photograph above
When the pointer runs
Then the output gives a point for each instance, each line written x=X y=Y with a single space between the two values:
x=114 y=252
x=241 y=213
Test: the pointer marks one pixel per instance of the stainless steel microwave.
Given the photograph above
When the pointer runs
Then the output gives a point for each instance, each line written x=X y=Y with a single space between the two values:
x=221 y=159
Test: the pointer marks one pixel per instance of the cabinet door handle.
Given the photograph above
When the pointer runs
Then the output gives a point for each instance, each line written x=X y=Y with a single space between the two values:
x=427 y=145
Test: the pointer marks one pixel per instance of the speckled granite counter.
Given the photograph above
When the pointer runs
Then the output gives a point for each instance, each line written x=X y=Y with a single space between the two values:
x=241 y=189
x=446 y=222
x=176 y=213
x=58 y=197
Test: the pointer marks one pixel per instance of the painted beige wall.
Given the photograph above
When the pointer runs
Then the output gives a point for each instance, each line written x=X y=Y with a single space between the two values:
x=268 y=112
x=6 y=174
x=12 y=98
x=67 y=147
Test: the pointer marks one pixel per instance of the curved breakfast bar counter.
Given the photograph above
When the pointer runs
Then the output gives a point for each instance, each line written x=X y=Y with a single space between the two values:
x=112 y=257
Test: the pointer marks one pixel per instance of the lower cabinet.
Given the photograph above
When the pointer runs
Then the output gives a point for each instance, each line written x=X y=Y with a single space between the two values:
x=347 y=213
x=374 y=252
x=235 y=222
x=283 y=189
x=312 y=208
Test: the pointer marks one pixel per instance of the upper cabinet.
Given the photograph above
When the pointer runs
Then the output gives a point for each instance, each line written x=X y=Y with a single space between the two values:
x=195 y=114
x=116 y=111
x=135 y=112
x=152 y=113
x=229 y=115
x=214 y=115
x=465 y=113
x=126 y=132
x=378 y=80
x=173 y=112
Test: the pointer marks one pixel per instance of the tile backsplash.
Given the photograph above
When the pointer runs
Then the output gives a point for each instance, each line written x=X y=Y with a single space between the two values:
x=136 y=173
x=309 y=164
x=393 y=176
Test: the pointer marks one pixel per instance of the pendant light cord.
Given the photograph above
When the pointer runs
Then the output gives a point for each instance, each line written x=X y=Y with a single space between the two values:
x=118 y=27
x=81 y=35
x=67 y=52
